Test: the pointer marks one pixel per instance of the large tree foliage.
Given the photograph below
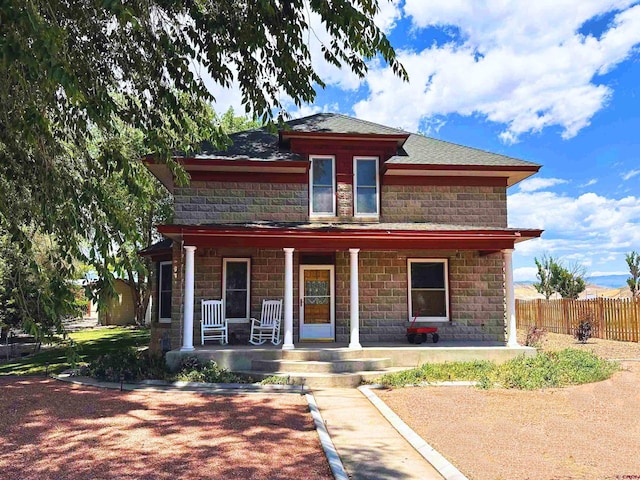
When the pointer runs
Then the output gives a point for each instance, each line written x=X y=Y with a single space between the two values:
x=553 y=277
x=70 y=68
x=136 y=202
x=633 y=261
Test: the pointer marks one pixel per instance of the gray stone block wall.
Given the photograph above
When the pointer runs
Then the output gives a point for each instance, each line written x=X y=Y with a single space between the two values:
x=460 y=205
x=220 y=202
x=476 y=291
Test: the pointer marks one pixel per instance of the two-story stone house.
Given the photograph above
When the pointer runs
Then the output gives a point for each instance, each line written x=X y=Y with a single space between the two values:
x=358 y=227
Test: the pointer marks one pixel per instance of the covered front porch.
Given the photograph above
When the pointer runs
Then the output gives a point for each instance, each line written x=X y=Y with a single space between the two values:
x=369 y=271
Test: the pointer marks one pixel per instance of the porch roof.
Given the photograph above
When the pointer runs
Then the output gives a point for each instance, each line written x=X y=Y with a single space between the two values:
x=342 y=236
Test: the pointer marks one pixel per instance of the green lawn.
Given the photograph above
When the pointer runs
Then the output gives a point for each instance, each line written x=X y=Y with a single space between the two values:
x=90 y=345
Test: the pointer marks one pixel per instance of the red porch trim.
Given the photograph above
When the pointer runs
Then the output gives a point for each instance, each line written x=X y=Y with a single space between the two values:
x=336 y=239
x=444 y=181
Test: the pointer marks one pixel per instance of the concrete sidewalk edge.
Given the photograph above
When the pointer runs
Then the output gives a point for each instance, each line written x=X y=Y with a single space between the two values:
x=197 y=387
x=335 y=463
x=430 y=454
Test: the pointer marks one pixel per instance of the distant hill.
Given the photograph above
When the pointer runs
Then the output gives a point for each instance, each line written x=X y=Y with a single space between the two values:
x=526 y=291
x=611 y=281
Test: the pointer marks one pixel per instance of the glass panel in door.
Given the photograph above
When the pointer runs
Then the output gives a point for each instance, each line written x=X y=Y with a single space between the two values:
x=316 y=305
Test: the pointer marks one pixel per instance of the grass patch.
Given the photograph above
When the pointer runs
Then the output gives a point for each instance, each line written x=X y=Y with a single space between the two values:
x=90 y=344
x=545 y=370
x=438 y=372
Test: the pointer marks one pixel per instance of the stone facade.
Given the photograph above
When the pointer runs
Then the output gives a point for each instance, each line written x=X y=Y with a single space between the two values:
x=220 y=202
x=476 y=292
x=458 y=205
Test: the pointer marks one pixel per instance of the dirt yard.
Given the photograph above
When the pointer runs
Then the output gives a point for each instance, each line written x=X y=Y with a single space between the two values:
x=603 y=348
x=583 y=432
x=53 y=430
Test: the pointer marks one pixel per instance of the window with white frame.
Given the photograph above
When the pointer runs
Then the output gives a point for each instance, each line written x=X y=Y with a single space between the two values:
x=366 y=187
x=164 y=291
x=428 y=289
x=236 y=278
x=322 y=181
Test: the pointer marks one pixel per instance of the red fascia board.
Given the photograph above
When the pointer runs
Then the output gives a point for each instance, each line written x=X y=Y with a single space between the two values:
x=206 y=162
x=443 y=166
x=341 y=239
x=444 y=180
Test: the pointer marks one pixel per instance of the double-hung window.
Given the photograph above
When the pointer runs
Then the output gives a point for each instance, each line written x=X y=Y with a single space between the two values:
x=164 y=291
x=366 y=187
x=322 y=183
x=236 y=287
x=428 y=290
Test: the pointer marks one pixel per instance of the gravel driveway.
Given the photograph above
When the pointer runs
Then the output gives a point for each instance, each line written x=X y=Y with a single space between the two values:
x=54 y=430
x=582 y=432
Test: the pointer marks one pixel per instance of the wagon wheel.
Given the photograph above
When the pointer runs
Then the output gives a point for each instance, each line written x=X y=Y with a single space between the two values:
x=435 y=337
x=419 y=339
x=424 y=337
x=411 y=337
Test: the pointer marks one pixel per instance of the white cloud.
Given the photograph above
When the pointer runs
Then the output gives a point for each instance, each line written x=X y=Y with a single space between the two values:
x=605 y=274
x=525 y=274
x=536 y=183
x=593 y=181
x=587 y=229
x=630 y=174
x=534 y=70
x=388 y=14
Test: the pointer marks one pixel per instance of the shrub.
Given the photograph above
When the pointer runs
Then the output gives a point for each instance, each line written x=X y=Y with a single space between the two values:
x=276 y=380
x=193 y=370
x=113 y=367
x=584 y=329
x=535 y=337
x=129 y=365
x=554 y=369
x=545 y=370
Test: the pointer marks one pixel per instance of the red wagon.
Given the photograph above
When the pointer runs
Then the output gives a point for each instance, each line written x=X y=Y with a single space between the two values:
x=417 y=335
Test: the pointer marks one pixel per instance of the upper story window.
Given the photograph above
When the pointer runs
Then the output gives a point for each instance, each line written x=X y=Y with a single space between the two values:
x=322 y=186
x=428 y=290
x=366 y=187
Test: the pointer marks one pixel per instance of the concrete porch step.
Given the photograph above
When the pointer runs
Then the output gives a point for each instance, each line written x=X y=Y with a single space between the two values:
x=315 y=366
x=324 y=380
x=322 y=355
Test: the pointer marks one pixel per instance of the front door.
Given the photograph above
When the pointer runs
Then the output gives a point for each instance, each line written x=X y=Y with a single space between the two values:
x=317 y=314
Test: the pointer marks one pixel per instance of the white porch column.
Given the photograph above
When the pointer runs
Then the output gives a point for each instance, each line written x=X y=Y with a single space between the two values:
x=288 y=299
x=512 y=339
x=187 y=335
x=354 y=340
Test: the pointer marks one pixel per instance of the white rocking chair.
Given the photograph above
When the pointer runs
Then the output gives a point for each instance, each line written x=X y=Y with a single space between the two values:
x=213 y=322
x=268 y=327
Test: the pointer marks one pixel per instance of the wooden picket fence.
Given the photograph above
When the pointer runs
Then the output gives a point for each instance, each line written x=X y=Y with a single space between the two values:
x=613 y=318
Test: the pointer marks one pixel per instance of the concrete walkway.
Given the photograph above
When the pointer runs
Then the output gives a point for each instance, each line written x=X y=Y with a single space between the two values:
x=370 y=448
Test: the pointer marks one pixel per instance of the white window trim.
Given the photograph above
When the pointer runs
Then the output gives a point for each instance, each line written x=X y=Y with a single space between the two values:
x=444 y=261
x=333 y=186
x=355 y=188
x=160 y=318
x=224 y=286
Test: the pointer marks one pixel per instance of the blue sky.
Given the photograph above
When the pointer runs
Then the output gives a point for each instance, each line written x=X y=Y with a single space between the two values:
x=552 y=82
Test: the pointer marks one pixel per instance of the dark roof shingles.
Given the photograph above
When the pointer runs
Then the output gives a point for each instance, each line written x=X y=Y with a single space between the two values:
x=261 y=144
